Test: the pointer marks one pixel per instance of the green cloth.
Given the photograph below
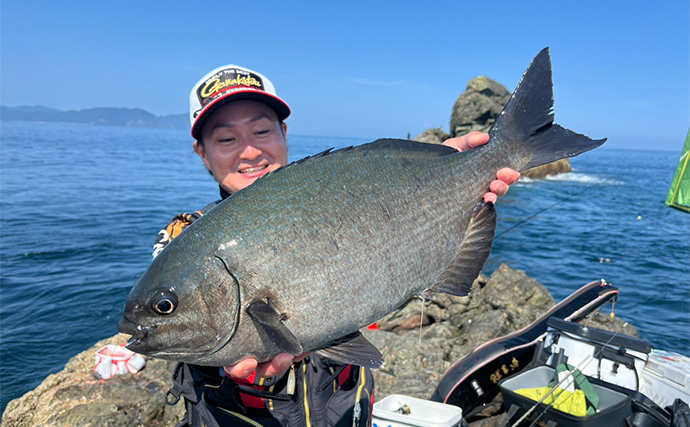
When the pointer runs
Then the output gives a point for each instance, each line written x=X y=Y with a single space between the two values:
x=581 y=383
x=679 y=194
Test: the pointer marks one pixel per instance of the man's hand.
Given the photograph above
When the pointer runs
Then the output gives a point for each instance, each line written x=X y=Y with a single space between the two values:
x=504 y=177
x=276 y=366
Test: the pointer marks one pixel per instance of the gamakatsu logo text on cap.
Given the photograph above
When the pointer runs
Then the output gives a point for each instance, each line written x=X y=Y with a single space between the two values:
x=225 y=80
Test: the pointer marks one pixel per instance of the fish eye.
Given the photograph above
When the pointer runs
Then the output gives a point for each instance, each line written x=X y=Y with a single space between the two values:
x=164 y=302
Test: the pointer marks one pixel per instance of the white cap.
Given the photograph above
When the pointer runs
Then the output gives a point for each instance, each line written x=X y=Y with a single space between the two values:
x=231 y=83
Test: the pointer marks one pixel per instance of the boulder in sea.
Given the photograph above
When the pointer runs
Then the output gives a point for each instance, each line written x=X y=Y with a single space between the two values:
x=478 y=106
x=432 y=136
x=549 y=169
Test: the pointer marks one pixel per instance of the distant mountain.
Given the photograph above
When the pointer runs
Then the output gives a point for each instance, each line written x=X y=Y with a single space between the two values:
x=110 y=116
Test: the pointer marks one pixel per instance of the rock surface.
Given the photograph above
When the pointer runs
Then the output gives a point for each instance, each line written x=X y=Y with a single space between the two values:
x=453 y=326
x=74 y=397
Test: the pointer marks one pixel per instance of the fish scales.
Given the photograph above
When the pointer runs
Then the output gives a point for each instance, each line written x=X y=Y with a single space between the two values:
x=342 y=256
x=308 y=255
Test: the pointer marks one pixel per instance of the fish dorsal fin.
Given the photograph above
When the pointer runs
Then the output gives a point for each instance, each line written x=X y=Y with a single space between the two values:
x=267 y=319
x=353 y=349
x=474 y=251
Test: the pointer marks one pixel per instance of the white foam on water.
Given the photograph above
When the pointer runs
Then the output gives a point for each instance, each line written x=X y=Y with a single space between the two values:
x=582 y=178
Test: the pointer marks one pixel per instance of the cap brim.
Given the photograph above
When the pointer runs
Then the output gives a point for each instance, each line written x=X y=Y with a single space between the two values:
x=278 y=105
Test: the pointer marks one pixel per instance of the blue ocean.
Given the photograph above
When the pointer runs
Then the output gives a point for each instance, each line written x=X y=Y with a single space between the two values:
x=81 y=207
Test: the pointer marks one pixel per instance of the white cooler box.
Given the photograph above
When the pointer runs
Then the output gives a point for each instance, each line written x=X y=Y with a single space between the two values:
x=404 y=411
x=666 y=377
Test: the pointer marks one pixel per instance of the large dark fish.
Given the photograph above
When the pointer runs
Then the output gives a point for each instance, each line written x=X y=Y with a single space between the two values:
x=308 y=255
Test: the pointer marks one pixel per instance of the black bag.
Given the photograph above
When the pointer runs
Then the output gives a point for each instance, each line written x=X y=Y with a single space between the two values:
x=209 y=399
x=335 y=395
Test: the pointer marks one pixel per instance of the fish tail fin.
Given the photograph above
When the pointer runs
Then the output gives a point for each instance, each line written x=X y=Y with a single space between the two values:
x=528 y=118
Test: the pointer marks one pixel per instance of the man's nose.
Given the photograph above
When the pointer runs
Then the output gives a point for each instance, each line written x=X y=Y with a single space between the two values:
x=250 y=152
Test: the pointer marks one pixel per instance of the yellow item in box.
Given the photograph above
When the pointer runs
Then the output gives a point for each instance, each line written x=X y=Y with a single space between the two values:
x=563 y=400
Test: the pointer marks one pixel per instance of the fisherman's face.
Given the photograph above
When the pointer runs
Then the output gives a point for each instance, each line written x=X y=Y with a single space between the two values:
x=242 y=141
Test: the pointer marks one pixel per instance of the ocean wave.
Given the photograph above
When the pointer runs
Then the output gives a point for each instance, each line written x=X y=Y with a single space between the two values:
x=70 y=253
x=581 y=178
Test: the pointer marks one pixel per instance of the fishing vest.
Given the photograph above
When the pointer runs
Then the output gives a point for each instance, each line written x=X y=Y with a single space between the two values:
x=314 y=392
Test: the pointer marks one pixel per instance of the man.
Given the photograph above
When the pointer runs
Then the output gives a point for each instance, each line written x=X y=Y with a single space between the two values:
x=240 y=135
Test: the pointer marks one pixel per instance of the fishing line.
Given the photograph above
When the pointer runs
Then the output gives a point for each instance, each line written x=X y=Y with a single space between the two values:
x=541 y=211
x=421 y=320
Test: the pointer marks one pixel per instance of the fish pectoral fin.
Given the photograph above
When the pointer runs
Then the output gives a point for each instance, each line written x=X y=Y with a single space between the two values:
x=267 y=319
x=474 y=251
x=353 y=349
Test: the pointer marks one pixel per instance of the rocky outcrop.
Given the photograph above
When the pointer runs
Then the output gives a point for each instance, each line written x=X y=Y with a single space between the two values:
x=549 y=169
x=432 y=136
x=415 y=359
x=475 y=111
x=478 y=106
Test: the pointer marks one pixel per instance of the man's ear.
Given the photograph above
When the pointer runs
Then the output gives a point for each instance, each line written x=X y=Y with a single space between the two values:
x=201 y=152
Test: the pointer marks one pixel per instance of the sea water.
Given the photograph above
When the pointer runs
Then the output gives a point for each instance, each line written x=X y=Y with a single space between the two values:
x=81 y=206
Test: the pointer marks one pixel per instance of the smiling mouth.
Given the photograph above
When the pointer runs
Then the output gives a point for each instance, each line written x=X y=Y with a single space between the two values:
x=254 y=169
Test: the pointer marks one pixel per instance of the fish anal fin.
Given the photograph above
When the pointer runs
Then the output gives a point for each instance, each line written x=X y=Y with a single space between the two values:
x=458 y=277
x=353 y=349
x=268 y=320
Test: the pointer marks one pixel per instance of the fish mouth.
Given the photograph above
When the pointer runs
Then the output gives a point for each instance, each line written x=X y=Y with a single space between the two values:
x=138 y=332
x=138 y=343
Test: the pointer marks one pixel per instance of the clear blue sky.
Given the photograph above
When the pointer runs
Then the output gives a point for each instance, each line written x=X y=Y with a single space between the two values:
x=360 y=68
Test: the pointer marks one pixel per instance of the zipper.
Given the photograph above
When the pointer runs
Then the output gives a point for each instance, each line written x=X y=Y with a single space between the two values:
x=307 y=415
x=356 y=414
x=270 y=401
x=357 y=410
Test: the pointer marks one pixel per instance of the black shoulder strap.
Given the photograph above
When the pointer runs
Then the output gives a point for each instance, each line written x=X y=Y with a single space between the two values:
x=208 y=207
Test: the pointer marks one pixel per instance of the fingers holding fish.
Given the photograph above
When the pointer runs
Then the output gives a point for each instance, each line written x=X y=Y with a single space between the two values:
x=508 y=176
x=276 y=366
x=242 y=369
x=467 y=142
x=499 y=187
x=505 y=177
